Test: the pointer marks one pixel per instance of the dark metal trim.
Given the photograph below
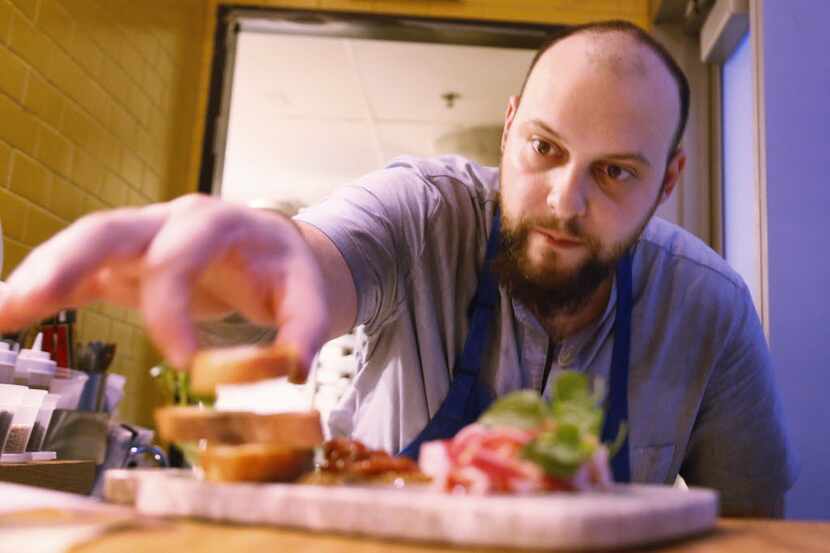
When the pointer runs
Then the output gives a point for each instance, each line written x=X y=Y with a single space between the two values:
x=214 y=105
x=394 y=28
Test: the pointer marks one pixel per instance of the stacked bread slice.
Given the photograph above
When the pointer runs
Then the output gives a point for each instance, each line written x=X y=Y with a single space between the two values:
x=244 y=446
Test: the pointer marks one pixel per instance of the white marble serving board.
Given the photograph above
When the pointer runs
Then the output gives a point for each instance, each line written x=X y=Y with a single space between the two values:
x=626 y=516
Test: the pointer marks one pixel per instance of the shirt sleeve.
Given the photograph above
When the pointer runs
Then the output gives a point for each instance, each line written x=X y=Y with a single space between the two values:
x=738 y=444
x=379 y=224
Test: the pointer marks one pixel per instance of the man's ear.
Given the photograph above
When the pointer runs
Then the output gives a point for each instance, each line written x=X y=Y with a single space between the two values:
x=673 y=171
x=512 y=108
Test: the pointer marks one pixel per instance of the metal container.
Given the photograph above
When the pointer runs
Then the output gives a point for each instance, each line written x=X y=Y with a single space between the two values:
x=77 y=435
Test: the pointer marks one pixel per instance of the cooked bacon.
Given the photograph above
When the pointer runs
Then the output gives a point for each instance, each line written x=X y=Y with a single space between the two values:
x=341 y=451
x=348 y=460
x=382 y=464
x=482 y=460
x=479 y=460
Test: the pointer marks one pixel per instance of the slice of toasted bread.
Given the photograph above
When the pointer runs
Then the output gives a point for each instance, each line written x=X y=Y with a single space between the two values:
x=241 y=364
x=255 y=463
x=300 y=430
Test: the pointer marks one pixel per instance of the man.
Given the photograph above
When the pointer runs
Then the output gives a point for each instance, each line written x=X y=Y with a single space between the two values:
x=590 y=149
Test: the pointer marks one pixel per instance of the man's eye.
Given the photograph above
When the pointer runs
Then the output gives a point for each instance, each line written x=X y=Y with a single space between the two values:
x=617 y=173
x=541 y=147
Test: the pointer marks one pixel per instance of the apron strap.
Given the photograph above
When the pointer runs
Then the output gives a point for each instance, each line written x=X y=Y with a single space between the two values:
x=482 y=306
x=467 y=398
x=617 y=403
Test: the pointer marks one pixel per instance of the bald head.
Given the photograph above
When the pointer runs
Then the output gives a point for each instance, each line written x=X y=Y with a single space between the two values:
x=620 y=51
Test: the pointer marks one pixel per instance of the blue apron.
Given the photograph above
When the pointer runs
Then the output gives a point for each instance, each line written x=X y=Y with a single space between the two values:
x=467 y=398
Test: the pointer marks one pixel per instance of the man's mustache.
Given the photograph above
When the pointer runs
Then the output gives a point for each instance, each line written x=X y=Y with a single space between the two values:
x=569 y=227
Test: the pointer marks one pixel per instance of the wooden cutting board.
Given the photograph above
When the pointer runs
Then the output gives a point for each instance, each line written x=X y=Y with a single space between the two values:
x=626 y=516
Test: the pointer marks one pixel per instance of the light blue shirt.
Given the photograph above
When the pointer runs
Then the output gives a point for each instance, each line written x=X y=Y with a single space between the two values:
x=702 y=400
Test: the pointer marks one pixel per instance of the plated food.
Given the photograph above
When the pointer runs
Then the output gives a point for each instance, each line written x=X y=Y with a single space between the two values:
x=522 y=444
x=192 y=423
x=536 y=456
x=347 y=461
x=243 y=446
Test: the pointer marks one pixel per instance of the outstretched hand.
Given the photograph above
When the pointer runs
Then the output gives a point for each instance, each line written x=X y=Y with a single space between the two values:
x=195 y=257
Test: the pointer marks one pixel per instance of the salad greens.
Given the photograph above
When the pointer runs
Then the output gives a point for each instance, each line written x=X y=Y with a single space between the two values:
x=570 y=424
x=175 y=386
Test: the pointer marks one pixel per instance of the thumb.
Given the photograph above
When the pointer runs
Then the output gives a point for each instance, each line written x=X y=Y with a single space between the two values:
x=303 y=323
x=303 y=337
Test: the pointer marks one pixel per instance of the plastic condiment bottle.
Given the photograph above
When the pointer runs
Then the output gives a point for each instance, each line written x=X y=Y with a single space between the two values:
x=23 y=421
x=10 y=398
x=8 y=358
x=41 y=424
x=34 y=368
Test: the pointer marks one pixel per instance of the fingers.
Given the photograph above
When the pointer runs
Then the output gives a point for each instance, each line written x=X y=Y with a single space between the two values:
x=197 y=232
x=283 y=286
x=63 y=272
x=302 y=317
x=259 y=265
x=194 y=254
x=118 y=285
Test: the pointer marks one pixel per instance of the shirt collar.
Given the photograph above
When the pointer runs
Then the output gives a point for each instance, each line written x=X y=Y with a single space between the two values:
x=526 y=317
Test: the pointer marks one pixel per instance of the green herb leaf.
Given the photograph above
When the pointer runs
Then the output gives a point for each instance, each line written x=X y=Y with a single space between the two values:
x=175 y=386
x=572 y=386
x=560 y=453
x=522 y=409
x=615 y=446
x=583 y=416
x=569 y=427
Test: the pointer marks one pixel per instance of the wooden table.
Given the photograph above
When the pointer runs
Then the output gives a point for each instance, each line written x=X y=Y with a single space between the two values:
x=731 y=535
x=66 y=476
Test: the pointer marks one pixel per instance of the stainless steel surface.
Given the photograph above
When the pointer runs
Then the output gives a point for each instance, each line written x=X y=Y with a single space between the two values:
x=94 y=360
x=137 y=455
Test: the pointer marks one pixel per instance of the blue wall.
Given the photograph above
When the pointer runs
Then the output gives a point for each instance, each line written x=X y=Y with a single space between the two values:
x=796 y=50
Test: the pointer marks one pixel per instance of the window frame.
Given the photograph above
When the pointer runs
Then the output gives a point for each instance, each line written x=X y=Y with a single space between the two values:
x=725 y=26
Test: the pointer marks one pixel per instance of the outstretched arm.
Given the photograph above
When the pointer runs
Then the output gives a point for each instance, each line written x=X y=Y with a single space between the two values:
x=194 y=257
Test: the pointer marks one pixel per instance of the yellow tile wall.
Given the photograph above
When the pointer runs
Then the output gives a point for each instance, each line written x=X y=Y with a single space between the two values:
x=97 y=106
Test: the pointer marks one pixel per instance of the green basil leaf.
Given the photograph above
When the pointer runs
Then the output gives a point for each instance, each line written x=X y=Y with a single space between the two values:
x=586 y=417
x=521 y=409
x=175 y=386
x=560 y=453
x=572 y=386
x=615 y=446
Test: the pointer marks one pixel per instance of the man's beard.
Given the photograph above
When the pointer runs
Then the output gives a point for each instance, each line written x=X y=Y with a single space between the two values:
x=555 y=290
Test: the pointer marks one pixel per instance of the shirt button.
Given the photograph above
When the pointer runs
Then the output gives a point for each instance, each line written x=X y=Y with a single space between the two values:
x=566 y=356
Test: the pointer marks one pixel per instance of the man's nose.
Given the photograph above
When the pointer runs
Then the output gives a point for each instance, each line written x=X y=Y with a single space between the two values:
x=567 y=192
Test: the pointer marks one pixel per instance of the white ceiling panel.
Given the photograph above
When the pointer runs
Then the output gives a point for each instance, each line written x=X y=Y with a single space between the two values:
x=405 y=81
x=296 y=159
x=296 y=75
x=416 y=139
x=310 y=113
